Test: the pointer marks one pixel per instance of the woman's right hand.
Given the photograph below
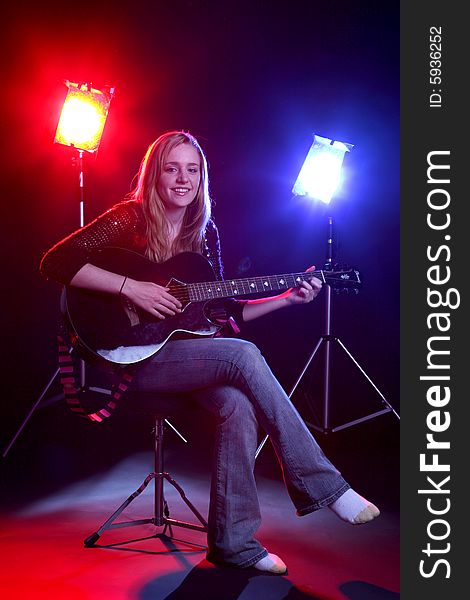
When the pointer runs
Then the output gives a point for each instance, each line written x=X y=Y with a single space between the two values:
x=151 y=297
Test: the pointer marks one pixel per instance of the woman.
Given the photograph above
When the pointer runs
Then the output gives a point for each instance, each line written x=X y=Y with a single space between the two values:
x=168 y=212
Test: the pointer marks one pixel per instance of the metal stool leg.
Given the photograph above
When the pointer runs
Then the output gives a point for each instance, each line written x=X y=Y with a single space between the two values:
x=161 y=513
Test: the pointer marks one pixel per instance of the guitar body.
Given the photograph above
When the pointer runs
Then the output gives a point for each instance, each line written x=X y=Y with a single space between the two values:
x=105 y=326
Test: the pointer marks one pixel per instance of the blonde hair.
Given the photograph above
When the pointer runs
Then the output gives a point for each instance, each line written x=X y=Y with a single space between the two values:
x=197 y=215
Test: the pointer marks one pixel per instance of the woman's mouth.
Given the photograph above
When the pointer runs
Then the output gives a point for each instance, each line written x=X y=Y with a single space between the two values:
x=181 y=191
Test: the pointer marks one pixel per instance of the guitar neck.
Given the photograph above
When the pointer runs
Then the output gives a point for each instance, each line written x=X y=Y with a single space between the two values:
x=244 y=287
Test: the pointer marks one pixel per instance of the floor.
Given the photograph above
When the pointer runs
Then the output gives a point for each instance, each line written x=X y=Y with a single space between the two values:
x=58 y=489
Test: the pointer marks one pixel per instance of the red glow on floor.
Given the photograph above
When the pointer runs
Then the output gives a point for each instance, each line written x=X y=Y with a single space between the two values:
x=43 y=555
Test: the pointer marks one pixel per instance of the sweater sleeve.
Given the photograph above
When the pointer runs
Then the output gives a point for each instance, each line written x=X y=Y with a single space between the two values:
x=231 y=308
x=121 y=226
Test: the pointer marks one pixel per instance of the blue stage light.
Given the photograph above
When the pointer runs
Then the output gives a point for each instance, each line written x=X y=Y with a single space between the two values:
x=320 y=175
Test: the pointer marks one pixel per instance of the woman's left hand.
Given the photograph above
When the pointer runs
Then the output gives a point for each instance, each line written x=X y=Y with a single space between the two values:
x=306 y=292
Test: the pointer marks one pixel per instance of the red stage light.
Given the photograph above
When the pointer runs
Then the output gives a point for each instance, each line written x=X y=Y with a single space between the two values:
x=83 y=117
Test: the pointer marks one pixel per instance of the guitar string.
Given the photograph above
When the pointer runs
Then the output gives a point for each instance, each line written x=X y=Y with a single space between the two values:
x=231 y=287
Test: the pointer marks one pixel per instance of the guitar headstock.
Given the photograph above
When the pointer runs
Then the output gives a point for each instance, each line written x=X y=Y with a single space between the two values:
x=343 y=278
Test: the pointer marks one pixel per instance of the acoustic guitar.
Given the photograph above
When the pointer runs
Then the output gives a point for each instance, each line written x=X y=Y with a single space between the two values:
x=110 y=328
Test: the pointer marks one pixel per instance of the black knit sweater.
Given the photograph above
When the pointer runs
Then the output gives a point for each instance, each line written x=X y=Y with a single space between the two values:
x=122 y=226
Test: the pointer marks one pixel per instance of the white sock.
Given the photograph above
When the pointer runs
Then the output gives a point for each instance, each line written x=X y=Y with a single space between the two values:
x=271 y=564
x=353 y=508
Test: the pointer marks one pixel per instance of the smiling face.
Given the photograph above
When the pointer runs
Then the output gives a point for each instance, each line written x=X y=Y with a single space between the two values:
x=180 y=177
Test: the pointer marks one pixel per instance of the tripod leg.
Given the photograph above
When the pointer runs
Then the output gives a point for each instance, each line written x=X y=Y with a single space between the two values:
x=307 y=364
x=368 y=378
x=108 y=524
x=189 y=504
x=176 y=431
x=28 y=416
x=299 y=378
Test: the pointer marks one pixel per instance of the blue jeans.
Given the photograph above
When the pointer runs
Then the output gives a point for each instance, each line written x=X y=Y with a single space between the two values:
x=231 y=378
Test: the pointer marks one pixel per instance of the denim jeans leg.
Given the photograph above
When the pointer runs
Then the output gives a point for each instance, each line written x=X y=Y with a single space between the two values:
x=198 y=364
x=311 y=479
x=234 y=512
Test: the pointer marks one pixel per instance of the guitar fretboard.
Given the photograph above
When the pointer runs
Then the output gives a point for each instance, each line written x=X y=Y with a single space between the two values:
x=243 y=287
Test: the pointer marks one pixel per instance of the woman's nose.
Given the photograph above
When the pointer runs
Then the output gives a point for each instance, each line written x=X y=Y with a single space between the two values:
x=182 y=176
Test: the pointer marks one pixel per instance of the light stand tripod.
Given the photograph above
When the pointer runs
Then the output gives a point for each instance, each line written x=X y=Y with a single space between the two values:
x=82 y=369
x=327 y=339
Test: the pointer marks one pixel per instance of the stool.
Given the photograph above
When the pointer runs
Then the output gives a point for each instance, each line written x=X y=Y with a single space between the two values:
x=161 y=406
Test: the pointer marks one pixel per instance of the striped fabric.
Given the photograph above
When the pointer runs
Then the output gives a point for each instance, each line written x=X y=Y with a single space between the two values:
x=72 y=391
